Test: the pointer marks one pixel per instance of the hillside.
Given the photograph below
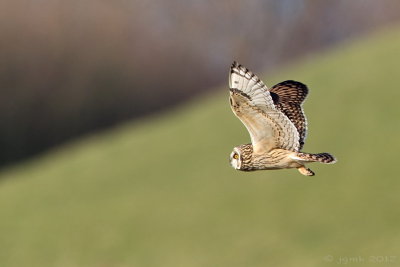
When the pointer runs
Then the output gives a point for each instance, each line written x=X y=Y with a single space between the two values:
x=160 y=192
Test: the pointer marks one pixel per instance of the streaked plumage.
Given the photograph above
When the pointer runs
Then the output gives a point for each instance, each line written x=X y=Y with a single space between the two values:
x=275 y=121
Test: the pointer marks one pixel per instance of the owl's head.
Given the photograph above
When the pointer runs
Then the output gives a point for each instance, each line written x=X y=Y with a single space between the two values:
x=235 y=158
x=240 y=157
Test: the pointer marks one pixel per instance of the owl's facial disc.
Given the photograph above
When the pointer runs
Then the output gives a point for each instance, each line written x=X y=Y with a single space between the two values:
x=235 y=159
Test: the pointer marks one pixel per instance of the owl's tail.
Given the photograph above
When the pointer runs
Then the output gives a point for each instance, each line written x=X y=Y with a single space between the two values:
x=325 y=158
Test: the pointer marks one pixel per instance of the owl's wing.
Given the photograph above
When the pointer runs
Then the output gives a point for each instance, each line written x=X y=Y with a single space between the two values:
x=288 y=97
x=253 y=104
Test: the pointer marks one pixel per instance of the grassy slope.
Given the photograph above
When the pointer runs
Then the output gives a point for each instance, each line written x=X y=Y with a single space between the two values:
x=161 y=193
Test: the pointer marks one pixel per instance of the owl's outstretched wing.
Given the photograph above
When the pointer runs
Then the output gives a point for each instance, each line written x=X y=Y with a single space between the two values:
x=253 y=104
x=288 y=97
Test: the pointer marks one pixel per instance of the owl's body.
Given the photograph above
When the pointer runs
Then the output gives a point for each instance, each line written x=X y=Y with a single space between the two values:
x=276 y=123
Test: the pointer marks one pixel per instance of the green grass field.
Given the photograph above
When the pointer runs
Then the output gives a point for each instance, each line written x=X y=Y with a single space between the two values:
x=160 y=191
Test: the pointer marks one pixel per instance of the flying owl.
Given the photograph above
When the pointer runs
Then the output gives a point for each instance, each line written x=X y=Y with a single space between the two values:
x=275 y=121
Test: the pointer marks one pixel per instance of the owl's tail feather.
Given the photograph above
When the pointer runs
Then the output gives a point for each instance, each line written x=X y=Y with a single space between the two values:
x=325 y=158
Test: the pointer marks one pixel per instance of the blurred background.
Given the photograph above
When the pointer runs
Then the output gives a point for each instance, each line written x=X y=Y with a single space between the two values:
x=73 y=67
x=115 y=131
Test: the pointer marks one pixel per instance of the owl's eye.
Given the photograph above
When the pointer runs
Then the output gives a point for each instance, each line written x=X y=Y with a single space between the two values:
x=235 y=156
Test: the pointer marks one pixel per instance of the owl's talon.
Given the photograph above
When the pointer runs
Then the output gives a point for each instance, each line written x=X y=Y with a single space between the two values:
x=306 y=171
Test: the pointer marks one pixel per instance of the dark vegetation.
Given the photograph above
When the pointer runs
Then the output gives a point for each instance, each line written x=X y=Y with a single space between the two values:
x=69 y=67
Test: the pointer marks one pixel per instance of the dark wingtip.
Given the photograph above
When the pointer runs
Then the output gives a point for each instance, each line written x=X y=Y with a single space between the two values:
x=234 y=65
x=275 y=98
x=291 y=91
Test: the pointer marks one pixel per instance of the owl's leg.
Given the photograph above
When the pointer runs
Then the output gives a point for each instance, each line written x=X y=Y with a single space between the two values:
x=306 y=171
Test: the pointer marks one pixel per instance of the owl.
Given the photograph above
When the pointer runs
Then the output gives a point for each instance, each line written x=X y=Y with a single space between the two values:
x=275 y=121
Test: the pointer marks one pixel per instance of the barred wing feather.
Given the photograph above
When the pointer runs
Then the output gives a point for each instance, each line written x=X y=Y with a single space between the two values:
x=253 y=104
